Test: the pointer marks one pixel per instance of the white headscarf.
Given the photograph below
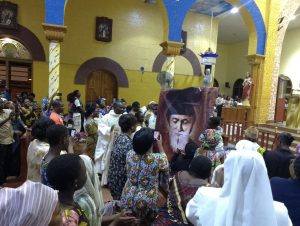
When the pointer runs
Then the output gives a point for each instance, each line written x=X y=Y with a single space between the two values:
x=245 y=199
x=246 y=145
x=30 y=204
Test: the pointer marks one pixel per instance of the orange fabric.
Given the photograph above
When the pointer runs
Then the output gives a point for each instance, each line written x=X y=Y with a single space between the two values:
x=56 y=118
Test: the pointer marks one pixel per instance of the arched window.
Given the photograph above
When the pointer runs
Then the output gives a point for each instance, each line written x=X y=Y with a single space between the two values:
x=15 y=67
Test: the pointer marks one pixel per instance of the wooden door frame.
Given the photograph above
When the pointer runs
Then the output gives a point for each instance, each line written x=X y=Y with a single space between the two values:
x=91 y=74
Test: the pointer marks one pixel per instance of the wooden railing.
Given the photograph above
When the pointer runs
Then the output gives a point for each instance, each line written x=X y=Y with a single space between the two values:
x=234 y=132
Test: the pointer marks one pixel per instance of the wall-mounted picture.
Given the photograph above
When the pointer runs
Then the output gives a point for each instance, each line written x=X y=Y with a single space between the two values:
x=103 y=29
x=8 y=15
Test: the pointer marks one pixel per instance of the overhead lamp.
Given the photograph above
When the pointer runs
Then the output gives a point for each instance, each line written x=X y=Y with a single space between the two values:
x=234 y=10
x=293 y=17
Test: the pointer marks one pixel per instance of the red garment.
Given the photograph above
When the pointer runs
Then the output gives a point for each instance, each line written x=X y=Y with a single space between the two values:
x=56 y=118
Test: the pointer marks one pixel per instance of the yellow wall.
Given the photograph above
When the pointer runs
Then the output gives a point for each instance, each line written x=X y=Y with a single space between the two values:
x=290 y=57
x=231 y=65
x=265 y=84
x=138 y=29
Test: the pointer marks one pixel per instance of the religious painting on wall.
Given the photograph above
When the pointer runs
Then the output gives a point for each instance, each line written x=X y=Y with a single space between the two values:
x=8 y=15
x=103 y=29
x=183 y=115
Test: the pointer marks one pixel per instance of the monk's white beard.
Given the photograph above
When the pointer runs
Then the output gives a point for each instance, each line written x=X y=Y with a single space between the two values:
x=178 y=140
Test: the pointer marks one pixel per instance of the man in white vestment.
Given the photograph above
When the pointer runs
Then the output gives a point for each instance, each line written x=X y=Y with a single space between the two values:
x=108 y=129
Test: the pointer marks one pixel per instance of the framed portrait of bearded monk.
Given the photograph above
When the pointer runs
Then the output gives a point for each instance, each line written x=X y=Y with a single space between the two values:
x=183 y=115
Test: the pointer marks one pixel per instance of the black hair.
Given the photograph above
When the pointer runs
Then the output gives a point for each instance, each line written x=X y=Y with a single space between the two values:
x=135 y=104
x=126 y=122
x=200 y=167
x=178 y=108
x=286 y=139
x=55 y=134
x=70 y=121
x=56 y=103
x=297 y=167
x=139 y=116
x=213 y=122
x=70 y=97
x=128 y=108
x=143 y=140
x=31 y=94
x=63 y=170
x=117 y=103
x=89 y=109
x=40 y=126
x=190 y=149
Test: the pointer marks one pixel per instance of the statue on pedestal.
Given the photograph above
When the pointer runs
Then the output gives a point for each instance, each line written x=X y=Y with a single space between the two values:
x=247 y=89
x=207 y=78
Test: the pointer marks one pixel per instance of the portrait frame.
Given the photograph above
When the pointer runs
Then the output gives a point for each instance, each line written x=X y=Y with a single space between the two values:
x=200 y=99
x=8 y=15
x=104 y=29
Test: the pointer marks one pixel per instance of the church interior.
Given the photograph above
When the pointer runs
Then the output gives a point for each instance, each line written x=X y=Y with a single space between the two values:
x=134 y=50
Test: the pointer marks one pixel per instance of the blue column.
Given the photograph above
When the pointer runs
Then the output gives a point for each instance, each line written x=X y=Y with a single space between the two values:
x=55 y=12
x=258 y=20
x=177 y=10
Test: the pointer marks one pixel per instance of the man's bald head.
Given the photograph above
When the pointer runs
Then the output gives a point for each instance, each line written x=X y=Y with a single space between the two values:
x=118 y=107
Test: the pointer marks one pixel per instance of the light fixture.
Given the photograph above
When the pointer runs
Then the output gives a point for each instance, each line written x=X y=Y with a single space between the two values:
x=293 y=17
x=209 y=57
x=234 y=10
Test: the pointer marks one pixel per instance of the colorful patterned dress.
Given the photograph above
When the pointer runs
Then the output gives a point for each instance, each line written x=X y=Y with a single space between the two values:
x=140 y=194
x=117 y=169
x=181 y=192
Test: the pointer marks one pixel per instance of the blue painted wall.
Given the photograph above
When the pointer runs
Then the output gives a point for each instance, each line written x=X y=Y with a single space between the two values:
x=55 y=11
x=177 y=11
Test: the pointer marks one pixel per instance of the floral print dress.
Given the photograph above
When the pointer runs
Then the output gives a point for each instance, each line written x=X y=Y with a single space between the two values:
x=140 y=194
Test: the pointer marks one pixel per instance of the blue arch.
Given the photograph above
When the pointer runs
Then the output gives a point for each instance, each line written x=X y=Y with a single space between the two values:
x=258 y=20
x=55 y=12
x=177 y=11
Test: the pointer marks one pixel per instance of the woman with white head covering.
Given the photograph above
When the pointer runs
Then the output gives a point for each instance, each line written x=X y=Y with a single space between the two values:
x=244 y=200
x=30 y=204
x=250 y=141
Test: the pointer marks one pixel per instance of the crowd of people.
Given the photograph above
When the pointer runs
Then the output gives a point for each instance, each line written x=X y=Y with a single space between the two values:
x=72 y=156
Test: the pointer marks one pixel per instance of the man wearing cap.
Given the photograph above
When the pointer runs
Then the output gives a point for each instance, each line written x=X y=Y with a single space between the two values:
x=249 y=143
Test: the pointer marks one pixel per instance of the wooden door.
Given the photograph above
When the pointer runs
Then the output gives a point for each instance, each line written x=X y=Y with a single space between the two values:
x=101 y=83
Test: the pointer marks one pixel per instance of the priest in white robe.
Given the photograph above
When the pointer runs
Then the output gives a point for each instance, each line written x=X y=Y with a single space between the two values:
x=108 y=129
